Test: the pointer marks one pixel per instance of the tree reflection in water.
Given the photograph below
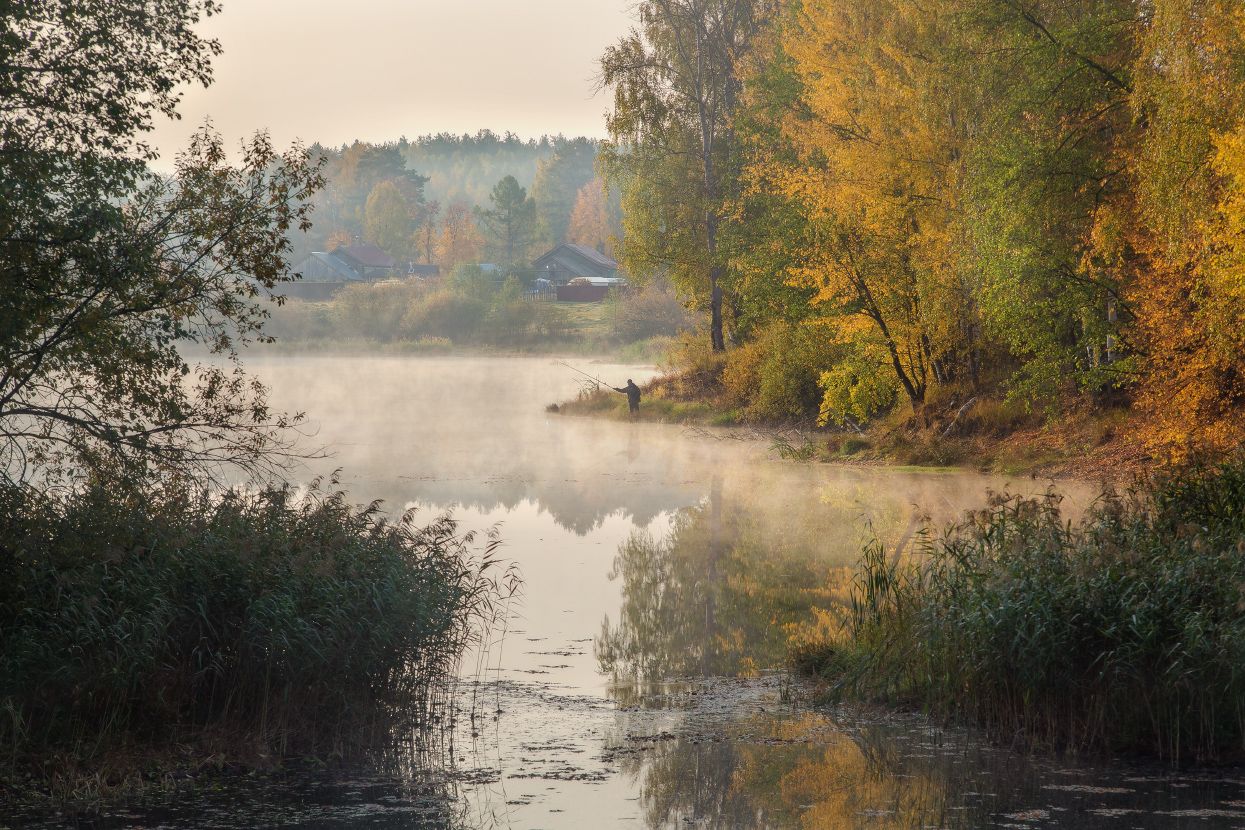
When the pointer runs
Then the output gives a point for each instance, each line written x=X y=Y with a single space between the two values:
x=804 y=771
x=717 y=596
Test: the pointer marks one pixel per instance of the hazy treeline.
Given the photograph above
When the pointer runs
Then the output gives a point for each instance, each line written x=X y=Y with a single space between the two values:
x=940 y=201
x=465 y=167
x=449 y=199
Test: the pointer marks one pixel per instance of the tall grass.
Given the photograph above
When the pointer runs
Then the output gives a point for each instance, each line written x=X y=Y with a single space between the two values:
x=1123 y=632
x=149 y=614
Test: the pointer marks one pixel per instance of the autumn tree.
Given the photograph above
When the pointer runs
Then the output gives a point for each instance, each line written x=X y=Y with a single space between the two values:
x=460 y=241
x=873 y=170
x=426 y=216
x=337 y=239
x=1186 y=223
x=676 y=83
x=590 y=221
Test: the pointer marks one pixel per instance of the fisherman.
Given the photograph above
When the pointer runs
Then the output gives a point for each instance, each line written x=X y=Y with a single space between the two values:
x=633 y=396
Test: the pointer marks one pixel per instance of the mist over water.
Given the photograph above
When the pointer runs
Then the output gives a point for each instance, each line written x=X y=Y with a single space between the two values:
x=469 y=432
x=472 y=436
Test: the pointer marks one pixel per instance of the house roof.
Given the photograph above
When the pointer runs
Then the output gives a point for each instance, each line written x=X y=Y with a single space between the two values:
x=594 y=255
x=322 y=267
x=577 y=261
x=366 y=255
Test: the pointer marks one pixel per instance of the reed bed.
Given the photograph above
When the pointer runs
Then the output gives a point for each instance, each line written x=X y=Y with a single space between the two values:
x=1122 y=632
x=275 y=621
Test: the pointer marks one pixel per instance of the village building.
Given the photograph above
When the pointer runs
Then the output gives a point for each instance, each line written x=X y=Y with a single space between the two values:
x=578 y=273
x=368 y=261
x=321 y=275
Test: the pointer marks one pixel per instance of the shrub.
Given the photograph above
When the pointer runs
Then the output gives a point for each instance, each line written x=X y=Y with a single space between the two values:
x=653 y=310
x=151 y=612
x=373 y=311
x=852 y=446
x=999 y=418
x=551 y=321
x=775 y=375
x=471 y=280
x=300 y=320
x=1122 y=632
x=511 y=318
x=445 y=314
x=510 y=322
x=856 y=389
x=699 y=368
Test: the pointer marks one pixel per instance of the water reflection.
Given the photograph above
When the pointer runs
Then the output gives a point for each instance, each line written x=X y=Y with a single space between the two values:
x=472 y=433
x=307 y=798
x=718 y=594
x=779 y=766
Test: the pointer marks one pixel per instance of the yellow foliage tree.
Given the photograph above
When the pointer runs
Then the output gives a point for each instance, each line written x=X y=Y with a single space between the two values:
x=876 y=170
x=460 y=240
x=590 y=224
x=1189 y=169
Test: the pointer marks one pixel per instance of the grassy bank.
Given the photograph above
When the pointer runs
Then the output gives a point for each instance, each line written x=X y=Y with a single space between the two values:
x=147 y=621
x=982 y=432
x=1124 y=632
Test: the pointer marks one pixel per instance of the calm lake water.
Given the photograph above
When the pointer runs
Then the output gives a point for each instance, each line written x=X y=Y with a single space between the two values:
x=639 y=683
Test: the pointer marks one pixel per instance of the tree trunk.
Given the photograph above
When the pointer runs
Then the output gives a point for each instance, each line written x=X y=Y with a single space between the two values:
x=707 y=140
x=715 y=277
x=715 y=309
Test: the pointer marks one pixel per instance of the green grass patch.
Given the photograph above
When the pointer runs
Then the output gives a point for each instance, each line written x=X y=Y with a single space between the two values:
x=853 y=446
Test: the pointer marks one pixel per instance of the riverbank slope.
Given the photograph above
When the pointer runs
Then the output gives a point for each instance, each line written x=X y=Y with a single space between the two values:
x=983 y=433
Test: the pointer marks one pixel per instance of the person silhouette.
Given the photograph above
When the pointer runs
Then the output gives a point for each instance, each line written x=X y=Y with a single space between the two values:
x=633 y=396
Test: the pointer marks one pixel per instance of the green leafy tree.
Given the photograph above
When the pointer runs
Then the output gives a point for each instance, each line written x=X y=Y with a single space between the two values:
x=388 y=221
x=558 y=182
x=510 y=224
x=351 y=174
x=677 y=84
x=1046 y=89
x=108 y=271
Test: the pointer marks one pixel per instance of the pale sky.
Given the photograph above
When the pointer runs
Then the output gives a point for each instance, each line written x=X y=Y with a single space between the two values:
x=333 y=71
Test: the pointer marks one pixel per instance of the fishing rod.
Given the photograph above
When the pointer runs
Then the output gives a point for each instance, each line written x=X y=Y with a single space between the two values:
x=596 y=380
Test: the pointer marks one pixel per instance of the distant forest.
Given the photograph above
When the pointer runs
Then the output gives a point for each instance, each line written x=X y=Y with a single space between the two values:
x=448 y=199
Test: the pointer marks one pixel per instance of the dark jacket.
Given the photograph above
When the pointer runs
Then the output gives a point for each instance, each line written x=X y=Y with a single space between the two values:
x=632 y=392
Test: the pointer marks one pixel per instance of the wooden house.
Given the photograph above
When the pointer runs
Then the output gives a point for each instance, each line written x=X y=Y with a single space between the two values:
x=578 y=273
x=321 y=275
